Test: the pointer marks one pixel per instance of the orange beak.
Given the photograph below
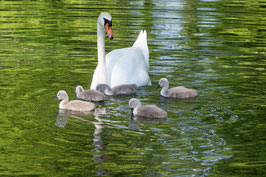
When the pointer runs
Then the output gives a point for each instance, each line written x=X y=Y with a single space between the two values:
x=109 y=31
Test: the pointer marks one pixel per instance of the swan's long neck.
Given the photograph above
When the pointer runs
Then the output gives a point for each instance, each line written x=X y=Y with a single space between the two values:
x=101 y=54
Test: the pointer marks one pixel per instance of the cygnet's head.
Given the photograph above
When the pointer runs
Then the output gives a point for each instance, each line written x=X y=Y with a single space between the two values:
x=61 y=95
x=105 y=20
x=133 y=103
x=163 y=83
x=79 y=89
x=102 y=87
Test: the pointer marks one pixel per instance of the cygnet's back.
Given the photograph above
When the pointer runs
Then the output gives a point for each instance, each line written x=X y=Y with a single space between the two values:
x=149 y=111
x=124 y=89
x=152 y=111
x=182 y=92
x=89 y=95
x=74 y=105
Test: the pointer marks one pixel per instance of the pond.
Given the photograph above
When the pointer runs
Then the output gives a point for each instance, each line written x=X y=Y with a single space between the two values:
x=214 y=46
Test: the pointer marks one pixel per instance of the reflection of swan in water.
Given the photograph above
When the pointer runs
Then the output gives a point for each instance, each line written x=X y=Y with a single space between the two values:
x=97 y=140
x=98 y=143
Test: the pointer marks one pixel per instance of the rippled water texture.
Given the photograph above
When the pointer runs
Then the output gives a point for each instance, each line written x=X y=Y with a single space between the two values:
x=214 y=46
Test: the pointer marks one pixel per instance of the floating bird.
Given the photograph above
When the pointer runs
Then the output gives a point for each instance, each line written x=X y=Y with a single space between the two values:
x=89 y=95
x=124 y=89
x=121 y=66
x=149 y=111
x=175 y=92
x=74 y=105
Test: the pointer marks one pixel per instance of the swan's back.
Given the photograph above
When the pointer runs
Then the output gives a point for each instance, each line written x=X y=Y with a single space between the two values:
x=127 y=66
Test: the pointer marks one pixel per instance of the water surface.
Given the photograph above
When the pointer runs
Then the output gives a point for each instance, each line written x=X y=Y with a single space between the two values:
x=214 y=46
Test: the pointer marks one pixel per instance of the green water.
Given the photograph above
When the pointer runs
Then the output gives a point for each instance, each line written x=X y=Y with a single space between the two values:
x=216 y=47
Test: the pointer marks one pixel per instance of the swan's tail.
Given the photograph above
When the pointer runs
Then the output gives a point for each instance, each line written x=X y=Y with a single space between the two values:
x=142 y=44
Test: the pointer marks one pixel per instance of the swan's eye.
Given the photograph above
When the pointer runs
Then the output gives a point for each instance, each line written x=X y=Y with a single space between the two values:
x=107 y=21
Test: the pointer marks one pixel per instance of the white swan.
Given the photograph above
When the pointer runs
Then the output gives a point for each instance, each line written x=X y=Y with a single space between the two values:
x=122 y=66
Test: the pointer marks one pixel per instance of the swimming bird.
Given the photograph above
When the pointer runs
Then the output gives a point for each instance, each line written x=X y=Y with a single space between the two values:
x=89 y=95
x=175 y=92
x=121 y=66
x=124 y=89
x=149 y=111
x=74 y=105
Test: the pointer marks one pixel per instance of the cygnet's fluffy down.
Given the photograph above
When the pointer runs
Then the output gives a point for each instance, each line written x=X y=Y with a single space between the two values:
x=124 y=89
x=149 y=111
x=89 y=95
x=74 y=105
x=175 y=92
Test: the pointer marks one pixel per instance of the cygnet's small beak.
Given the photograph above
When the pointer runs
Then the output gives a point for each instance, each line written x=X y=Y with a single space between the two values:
x=158 y=86
x=109 y=31
x=132 y=109
x=56 y=98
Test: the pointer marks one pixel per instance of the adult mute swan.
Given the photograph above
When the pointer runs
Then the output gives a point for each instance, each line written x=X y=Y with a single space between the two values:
x=121 y=66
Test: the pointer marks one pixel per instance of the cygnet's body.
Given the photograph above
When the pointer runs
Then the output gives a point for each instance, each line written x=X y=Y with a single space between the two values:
x=89 y=95
x=74 y=105
x=175 y=92
x=149 y=111
x=124 y=89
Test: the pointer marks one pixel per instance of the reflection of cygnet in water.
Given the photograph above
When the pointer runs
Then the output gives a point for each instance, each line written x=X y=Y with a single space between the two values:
x=61 y=119
x=74 y=105
x=175 y=92
x=149 y=111
x=89 y=95
x=124 y=89
x=61 y=122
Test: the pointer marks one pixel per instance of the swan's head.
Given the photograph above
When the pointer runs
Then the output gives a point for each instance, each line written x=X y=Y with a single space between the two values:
x=105 y=19
x=61 y=95
x=79 y=89
x=163 y=83
x=102 y=87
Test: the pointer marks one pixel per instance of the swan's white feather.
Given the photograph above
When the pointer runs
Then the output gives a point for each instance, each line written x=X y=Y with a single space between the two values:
x=127 y=65
x=129 y=68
